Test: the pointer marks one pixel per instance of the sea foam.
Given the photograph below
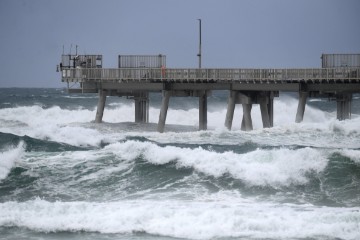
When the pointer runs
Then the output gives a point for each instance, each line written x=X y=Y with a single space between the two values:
x=64 y=125
x=8 y=159
x=193 y=220
x=275 y=167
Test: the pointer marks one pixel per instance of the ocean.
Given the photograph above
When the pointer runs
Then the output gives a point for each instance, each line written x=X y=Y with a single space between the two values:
x=62 y=176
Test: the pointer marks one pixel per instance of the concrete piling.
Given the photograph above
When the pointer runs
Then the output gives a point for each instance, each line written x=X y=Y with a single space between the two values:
x=246 y=124
x=203 y=110
x=142 y=108
x=343 y=106
x=264 y=112
x=100 y=106
x=163 y=111
x=301 y=107
x=230 y=109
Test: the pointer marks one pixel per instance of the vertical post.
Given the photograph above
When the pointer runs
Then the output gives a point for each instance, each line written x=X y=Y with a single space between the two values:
x=163 y=111
x=199 y=54
x=137 y=109
x=142 y=108
x=263 y=101
x=301 y=107
x=100 y=106
x=246 y=124
x=270 y=106
x=230 y=109
x=203 y=110
x=344 y=106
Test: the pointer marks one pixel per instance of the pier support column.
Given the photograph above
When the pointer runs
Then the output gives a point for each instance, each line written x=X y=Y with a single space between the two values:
x=203 y=110
x=270 y=106
x=301 y=107
x=163 y=111
x=100 y=106
x=246 y=124
x=142 y=108
x=230 y=109
x=344 y=106
x=263 y=101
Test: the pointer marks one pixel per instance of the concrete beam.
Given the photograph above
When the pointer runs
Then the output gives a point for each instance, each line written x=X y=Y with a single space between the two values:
x=343 y=106
x=286 y=87
x=203 y=111
x=142 y=108
x=246 y=124
x=163 y=111
x=230 y=109
x=100 y=106
x=263 y=101
x=301 y=107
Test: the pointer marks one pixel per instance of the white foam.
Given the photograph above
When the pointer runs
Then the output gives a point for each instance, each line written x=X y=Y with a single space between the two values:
x=354 y=155
x=52 y=124
x=277 y=167
x=58 y=124
x=8 y=158
x=183 y=219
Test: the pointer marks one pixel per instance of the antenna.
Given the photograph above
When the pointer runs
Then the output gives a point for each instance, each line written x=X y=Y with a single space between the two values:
x=70 y=48
x=199 y=54
x=63 y=49
x=76 y=50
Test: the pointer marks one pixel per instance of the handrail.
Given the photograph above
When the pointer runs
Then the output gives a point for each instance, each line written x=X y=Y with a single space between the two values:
x=210 y=74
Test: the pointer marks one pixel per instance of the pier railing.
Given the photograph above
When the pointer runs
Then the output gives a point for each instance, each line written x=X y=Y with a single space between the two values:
x=208 y=74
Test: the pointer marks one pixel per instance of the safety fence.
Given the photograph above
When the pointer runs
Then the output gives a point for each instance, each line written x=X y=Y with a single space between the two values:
x=206 y=75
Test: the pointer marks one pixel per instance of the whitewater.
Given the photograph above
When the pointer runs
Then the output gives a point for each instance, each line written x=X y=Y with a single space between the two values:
x=62 y=176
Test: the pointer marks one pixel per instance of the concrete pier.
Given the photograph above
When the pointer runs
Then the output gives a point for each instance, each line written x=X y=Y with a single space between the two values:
x=203 y=110
x=246 y=124
x=301 y=107
x=264 y=98
x=163 y=111
x=270 y=106
x=343 y=106
x=138 y=75
x=100 y=106
x=263 y=101
x=230 y=109
x=142 y=108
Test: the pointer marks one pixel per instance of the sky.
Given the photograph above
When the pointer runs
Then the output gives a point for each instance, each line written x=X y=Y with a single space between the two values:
x=235 y=33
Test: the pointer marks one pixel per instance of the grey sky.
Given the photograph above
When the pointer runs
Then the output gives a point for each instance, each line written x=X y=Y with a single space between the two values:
x=236 y=33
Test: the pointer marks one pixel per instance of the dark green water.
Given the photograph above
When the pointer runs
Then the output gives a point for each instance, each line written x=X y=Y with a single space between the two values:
x=64 y=177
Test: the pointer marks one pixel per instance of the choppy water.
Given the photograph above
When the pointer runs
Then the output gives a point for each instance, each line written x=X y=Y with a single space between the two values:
x=64 y=177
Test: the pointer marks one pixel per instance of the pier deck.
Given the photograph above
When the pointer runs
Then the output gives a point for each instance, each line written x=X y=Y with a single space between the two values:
x=246 y=86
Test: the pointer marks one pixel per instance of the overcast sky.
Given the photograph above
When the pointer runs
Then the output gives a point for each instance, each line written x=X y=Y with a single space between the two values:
x=235 y=33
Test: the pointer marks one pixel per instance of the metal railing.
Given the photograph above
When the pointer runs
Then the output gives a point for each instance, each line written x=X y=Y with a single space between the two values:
x=205 y=75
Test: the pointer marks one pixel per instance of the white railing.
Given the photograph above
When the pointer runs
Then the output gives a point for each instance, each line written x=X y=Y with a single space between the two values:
x=191 y=74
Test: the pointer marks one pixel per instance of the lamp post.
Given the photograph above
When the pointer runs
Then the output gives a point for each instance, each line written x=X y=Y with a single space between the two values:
x=199 y=54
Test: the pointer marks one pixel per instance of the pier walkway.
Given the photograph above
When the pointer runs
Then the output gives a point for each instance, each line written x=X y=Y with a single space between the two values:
x=245 y=86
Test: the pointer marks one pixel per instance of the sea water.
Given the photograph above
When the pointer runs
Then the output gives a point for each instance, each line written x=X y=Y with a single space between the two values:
x=62 y=176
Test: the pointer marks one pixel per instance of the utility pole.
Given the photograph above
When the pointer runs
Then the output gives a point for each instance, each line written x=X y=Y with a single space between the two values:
x=199 y=54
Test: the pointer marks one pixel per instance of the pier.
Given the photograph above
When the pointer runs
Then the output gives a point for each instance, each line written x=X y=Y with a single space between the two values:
x=136 y=76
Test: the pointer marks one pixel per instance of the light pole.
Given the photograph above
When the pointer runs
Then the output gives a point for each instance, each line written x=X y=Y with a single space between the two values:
x=199 y=54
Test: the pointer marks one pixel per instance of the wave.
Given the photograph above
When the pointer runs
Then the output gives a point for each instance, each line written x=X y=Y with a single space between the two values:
x=143 y=169
x=275 y=167
x=32 y=144
x=8 y=158
x=191 y=220
x=75 y=127
x=284 y=114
